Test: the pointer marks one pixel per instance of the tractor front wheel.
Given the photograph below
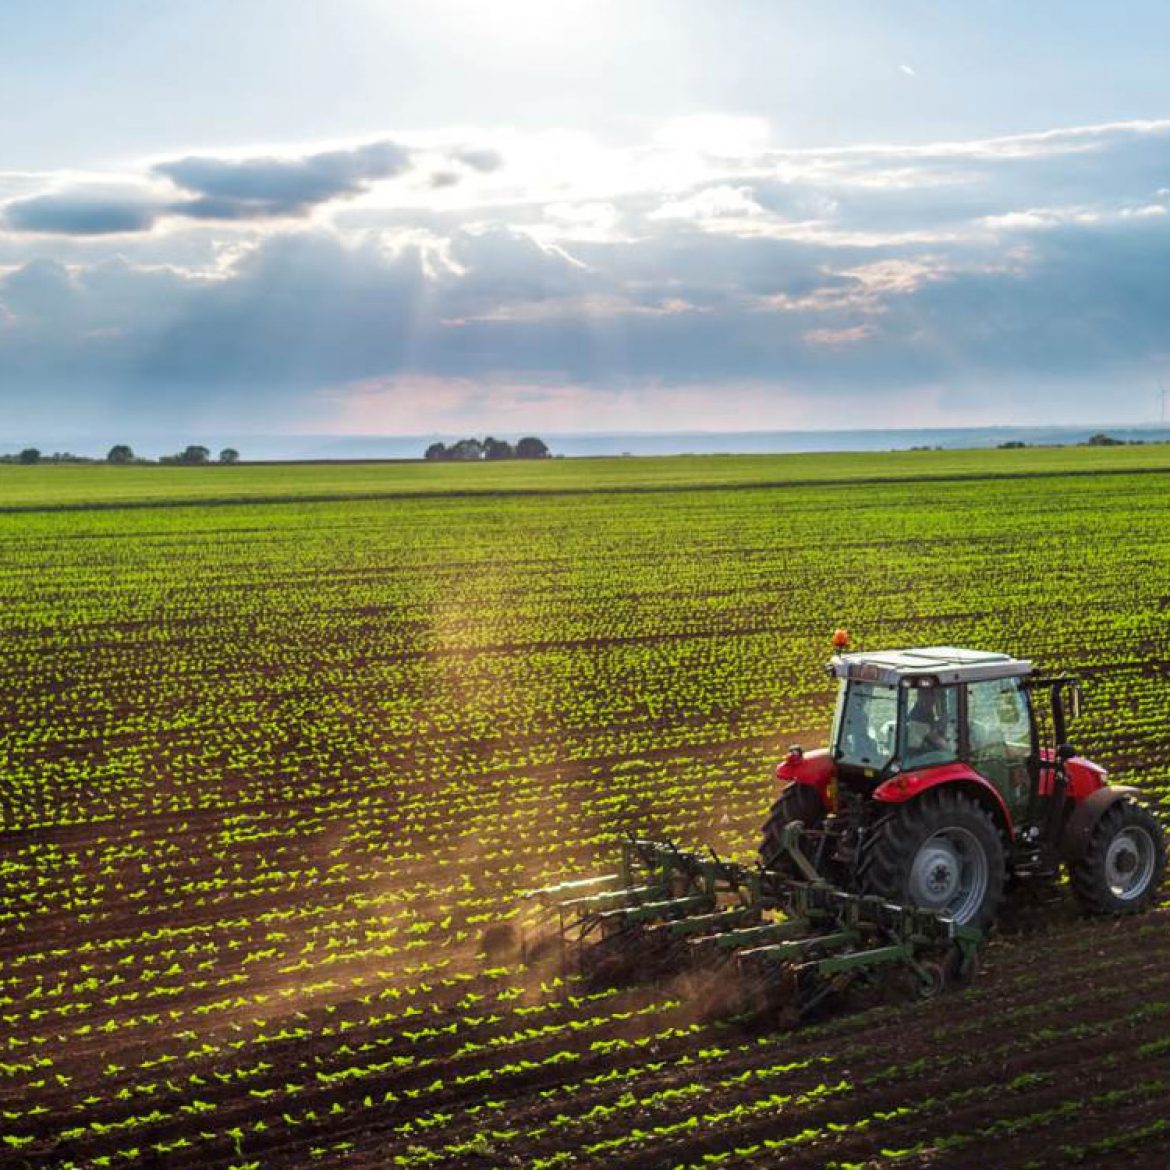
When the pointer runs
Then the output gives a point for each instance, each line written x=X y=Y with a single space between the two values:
x=1122 y=866
x=796 y=802
x=941 y=852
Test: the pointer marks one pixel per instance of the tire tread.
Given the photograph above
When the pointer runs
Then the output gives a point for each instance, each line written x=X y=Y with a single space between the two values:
x=892 y=841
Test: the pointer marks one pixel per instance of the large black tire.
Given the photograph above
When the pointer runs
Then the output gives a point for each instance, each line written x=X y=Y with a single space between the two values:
x=941 y=851
x=1122 y=867
x=796 y=802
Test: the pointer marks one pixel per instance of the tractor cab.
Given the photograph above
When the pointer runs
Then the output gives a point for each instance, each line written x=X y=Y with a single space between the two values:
x=903 y=712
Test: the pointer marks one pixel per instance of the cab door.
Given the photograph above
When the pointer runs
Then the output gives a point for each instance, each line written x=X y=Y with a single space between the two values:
x=999 y=740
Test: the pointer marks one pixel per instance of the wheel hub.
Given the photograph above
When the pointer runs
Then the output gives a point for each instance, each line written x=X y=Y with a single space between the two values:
x=1129 y=863
x=949 y=874
x=939 y=868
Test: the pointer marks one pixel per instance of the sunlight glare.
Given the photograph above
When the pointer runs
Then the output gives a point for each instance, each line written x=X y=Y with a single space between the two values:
x=519 y=25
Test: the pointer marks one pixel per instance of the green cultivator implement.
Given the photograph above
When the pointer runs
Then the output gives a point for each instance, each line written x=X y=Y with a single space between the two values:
x=791 y=941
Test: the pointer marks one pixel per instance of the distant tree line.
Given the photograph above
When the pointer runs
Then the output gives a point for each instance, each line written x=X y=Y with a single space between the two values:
x=33 y=455
x=122 y=455
x=529 y=447
x=1100 y=439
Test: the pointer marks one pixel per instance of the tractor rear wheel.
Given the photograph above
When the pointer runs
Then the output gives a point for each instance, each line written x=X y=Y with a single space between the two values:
x=941 y=852
x=796 y=802
x=1123 y=863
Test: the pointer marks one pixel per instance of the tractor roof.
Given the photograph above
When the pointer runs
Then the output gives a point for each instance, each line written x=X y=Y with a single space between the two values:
x=940 y=664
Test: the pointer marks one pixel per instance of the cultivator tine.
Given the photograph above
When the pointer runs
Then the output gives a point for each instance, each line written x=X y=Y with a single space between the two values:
x=568 y=889
x=747 y=937
x=649 y=912
x=712 y=925
x=610 y=898
x=798 y=948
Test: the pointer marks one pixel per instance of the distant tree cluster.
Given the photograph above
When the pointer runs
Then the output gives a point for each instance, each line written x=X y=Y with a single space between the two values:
x=195 y=456
x=529 y=447
x=121 y=455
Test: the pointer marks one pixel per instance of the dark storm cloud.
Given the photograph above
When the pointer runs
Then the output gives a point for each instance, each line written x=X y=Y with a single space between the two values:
x=78 y=213
x=260 y=188
x=217 y=189
x=302 y=309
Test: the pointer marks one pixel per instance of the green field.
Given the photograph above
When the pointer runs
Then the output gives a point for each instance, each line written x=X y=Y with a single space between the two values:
x=100 y=484
x=275 y=767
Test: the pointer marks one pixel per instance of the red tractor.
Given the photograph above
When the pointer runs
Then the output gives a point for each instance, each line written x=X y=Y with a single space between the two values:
x=949 y=776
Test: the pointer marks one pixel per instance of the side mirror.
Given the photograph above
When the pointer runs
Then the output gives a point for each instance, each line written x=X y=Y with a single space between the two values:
x=1065 y=752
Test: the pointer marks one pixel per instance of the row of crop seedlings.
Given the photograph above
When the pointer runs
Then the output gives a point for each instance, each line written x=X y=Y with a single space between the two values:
x=304 y=939
x=655 y=736
x=210 y=864
x=738 y=1094
x=445 y=1033
x=191 y=761
x=285 y=659
x=401 y=1047
x=101 y=983
x=627 y=1094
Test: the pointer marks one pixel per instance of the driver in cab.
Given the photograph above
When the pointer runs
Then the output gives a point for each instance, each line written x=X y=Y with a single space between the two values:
x=926 y=724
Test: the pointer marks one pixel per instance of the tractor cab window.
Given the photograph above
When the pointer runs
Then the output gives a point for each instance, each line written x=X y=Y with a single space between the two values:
x=999 y=731
x=867 y=717
x=930 y=730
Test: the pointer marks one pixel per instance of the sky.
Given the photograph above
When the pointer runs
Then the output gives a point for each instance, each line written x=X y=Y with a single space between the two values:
x=367 y=217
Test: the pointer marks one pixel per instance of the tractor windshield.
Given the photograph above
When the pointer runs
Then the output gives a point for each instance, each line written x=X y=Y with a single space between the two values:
x=867 y=719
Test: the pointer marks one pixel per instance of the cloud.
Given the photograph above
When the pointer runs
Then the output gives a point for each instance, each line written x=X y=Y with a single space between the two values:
x=478 y=159
x=259 y=188
x=417 y=404
x=937 y=275
x=712 y=203
x=83 y=211
x=216 y=189
x=849 y=335
x=40 y=289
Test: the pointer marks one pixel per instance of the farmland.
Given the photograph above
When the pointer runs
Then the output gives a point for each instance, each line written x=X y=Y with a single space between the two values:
x=283 y=744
